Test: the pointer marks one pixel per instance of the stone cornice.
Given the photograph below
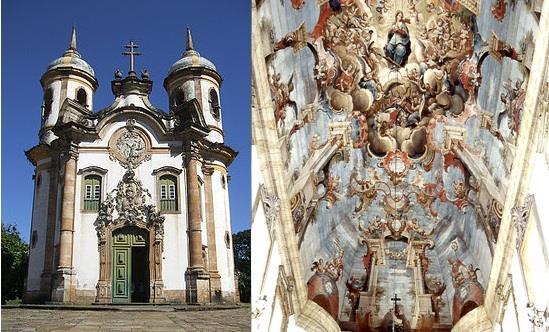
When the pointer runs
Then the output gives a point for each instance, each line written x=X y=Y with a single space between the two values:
x=65 y=72
x=92 y=169
x=155 y=118
x=68 y=150
x=189 y=119
x=192 y=72
x=38 y=152
x=217 y=151
x=207 y=170
x=72 y=110
x=167 y=169
x=131 y=85
x=75 y=132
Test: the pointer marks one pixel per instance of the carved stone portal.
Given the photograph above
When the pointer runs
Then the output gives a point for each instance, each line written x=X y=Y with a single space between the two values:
x=129 y=205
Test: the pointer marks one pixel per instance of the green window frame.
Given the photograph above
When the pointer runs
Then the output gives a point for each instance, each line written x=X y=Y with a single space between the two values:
x=168 y=192
x=91 y=193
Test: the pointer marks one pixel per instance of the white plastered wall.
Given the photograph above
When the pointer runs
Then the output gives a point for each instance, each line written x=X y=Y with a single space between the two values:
x=225 y=259
x=208 y=83
x=85 y=253
x=55 y=86
x=267 y=313
x=39 y=225
x=74 y=84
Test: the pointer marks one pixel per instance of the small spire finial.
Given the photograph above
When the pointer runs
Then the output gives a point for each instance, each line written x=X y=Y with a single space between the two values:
x=71 y=51
x=72 y=45
x=189 y=40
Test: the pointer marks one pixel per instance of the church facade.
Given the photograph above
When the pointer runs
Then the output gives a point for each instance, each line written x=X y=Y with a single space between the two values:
x=130 y=202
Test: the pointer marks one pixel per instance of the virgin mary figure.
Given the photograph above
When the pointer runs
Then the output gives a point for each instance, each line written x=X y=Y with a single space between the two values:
x=398 y=47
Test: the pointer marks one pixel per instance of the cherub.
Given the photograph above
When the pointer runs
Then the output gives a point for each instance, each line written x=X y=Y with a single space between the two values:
x=345 y=81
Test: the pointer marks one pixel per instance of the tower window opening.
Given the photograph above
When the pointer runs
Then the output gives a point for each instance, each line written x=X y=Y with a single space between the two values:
x=223 y=182
x=82 y=97
x=178 y=98
x=214 y=104
x=228 y=240
x=34 y=239
x=48 y=100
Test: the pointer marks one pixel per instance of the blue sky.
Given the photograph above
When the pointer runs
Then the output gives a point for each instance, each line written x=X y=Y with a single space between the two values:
x=36 y=32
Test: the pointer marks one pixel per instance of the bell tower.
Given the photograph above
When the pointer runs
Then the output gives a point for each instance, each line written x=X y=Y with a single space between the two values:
x=193 y=85
x=195 y=77
x=68 y=76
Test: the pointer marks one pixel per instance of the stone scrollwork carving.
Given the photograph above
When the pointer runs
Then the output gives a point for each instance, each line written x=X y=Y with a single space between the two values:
x=259 y=306
x=504 y=291
x=129 y=204
x=271 y=206
x=519 y=216
x=129 y=146
x=538 y=318
x=285 y=287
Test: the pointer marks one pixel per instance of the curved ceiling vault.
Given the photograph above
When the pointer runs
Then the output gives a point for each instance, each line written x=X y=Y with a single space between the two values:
x=398 y=121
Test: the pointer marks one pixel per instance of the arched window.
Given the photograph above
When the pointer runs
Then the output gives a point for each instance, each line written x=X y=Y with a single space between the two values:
x=82 y=97
x=48 y=100
x=228 y=240
x=34 y=239
x=214 y=103
x=178 y=98
x=223 y=182
x=167 y=189
x=91 y=193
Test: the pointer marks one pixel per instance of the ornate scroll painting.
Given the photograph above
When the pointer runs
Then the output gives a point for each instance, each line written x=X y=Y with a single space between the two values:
x=382 y=110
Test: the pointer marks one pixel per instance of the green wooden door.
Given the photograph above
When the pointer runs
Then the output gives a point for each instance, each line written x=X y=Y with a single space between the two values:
x=123 y=241
x=121 y=274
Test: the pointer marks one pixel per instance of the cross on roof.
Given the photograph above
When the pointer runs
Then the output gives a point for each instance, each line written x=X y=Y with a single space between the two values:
x=395 y=299
x=131 y=53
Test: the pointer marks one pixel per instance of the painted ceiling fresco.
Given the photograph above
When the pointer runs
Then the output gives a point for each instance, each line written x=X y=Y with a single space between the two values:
x=386 y=110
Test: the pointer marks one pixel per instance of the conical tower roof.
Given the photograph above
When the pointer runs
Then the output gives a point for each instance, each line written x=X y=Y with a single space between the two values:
x=71 y=59
x=191 y=58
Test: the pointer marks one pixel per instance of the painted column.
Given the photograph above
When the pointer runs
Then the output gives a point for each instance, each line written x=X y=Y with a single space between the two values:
x=215 y=278
x=62 y=284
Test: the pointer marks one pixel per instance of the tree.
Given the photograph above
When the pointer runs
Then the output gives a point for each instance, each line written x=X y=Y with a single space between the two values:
x=15 y=255
x=242 y=259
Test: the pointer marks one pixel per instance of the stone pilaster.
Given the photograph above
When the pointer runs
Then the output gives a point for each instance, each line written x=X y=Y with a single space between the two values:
x=195 y=218
x=104 y=284
x=196 y=276
x=215 y=277
x=62 y=285
x=46 y=277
